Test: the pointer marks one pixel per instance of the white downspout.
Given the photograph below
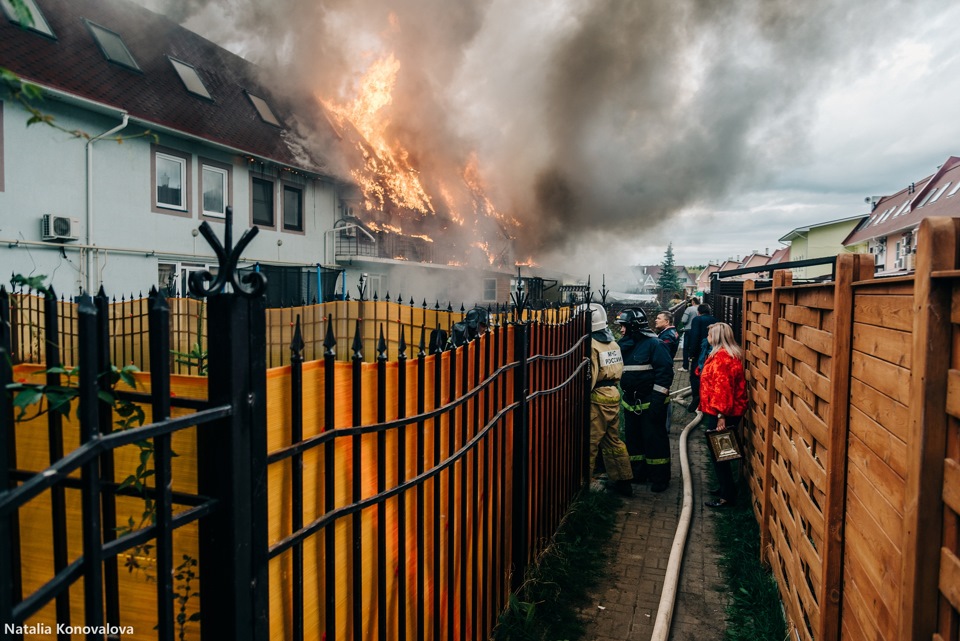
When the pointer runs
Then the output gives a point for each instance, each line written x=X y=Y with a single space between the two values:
x=89 y=286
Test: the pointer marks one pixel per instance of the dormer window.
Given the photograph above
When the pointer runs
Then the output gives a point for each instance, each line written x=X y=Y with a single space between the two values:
x=266 y=114
x=190 y=78
x=35 y=21
x=112 y=46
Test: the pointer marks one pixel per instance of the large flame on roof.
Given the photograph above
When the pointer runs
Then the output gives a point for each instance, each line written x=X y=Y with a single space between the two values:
x=456 y=208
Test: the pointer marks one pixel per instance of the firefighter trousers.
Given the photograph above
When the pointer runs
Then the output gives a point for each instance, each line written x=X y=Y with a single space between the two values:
x=649 y=444
x=605 y=438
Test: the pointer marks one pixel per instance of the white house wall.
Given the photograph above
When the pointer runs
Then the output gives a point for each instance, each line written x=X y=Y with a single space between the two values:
x=45 y=173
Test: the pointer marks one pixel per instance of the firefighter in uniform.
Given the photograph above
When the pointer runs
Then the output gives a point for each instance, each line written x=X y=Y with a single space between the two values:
x=647 y=377
x=606 y=367
x=473 y=325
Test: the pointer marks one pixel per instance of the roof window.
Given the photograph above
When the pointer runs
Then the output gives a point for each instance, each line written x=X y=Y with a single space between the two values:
x=112 y=46
x=34 y=21
x=954 y=190
x=264 y=110
x=191 y=79
x=906 y=204
x=940 y=193
x=929 y=196
x=886 y=215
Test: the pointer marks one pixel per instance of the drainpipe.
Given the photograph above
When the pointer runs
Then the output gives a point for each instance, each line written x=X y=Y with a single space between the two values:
x=89 y=285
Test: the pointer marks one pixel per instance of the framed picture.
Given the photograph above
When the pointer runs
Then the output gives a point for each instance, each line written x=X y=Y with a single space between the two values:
x=724 y=445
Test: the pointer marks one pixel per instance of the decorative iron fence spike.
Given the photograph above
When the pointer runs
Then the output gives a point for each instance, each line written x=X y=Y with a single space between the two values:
x=449 y=306
x=381 y=346
x=375 y=298
x=357 y=346
x=421 y=348
x=424 y=303
x=400 y=298
x=462 y=308
x=388 y=296
x=347 y=297
x=297 y=344
x=203 y=284
x=412 y=303
x=437 y=305
x=330 y=341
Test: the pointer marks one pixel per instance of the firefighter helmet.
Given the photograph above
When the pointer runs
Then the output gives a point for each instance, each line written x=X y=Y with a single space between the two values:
x=633 y=319
x=598 y=317
x=476 y=317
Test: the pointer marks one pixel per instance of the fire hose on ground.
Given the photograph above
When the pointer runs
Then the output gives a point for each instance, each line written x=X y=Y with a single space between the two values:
x=668 y=597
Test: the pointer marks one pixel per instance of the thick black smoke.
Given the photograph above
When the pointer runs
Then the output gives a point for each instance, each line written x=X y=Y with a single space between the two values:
x=590 y=118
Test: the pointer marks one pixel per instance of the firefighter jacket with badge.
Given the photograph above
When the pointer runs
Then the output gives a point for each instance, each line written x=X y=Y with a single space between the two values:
x=647 y=366
x=606 y=367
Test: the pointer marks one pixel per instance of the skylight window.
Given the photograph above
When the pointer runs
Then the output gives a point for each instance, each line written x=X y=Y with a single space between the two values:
x=264 y=110
x=111 y=44
x=902 y=209
x=939 y=193
x=191 y=79
x=929 y=196
x=38 y=24
x=954 y=190
x=885 y=215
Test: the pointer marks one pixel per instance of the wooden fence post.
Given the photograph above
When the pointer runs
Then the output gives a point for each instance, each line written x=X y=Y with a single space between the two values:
x=781 y=278
x=923 y=508
x=849 y=268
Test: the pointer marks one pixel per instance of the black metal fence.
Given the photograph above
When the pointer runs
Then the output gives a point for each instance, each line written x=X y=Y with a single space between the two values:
x=476 y=454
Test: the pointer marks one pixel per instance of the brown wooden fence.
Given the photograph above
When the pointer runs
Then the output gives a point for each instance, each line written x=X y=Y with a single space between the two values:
x=854 y=444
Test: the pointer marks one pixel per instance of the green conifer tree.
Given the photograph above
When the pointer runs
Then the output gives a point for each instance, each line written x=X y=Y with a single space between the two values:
x=669 y=281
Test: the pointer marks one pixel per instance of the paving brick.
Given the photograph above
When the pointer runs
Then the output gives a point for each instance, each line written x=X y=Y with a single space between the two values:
x=639 y=552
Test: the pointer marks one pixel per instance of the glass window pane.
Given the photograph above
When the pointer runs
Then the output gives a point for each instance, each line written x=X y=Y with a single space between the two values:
x=262 y=202
x=39 y=22
x=264 y=110
x=292 y=209
x=214 y=190
x=113 y=47
x=191 y=79
x=170 y=181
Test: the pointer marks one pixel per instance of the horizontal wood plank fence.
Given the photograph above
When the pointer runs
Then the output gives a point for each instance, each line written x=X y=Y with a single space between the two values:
x=854 y=441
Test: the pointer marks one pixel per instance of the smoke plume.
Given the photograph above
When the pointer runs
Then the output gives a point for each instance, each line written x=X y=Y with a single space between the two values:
x=589 y=119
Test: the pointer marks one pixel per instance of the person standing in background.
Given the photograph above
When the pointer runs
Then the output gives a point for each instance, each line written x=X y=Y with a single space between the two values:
x=667 y=333
x=723 y=400
x=685 y=322
x=697 y=336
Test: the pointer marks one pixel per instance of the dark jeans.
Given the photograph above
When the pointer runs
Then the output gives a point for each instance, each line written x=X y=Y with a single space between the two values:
x=686 y=353
x=724 y=469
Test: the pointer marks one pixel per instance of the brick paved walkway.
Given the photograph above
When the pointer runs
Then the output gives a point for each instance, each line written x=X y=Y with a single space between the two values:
x=624 y=606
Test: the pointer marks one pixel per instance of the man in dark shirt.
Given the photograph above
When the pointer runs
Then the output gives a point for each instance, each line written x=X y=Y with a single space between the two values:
x=667 y=333
x=697 y=335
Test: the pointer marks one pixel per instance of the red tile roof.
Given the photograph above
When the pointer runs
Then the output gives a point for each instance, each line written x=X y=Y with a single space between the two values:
x=73 y=63
x=906 y=208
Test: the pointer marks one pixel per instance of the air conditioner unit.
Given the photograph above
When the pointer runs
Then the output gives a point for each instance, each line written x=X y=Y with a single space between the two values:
x=59 y=228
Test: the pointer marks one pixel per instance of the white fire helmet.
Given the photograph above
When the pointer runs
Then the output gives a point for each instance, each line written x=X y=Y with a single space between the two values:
x=598 y=317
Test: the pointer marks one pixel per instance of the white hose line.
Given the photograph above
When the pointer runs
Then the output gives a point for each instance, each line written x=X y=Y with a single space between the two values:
x=668 y=597
x=680 y=393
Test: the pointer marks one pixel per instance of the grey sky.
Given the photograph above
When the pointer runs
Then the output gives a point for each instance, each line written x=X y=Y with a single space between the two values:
x=611 y=128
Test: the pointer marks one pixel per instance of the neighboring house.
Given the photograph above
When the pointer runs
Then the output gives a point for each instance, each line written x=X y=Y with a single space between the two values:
x=755 y=259
x=782 y=255
x=703 y=279
x=91 y=212
x=647 y=276
x=890 y=231
x=819 y=240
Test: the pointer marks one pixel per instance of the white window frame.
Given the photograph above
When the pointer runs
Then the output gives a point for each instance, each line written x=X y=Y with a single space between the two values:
x=225 y=175
x=183 y=160
x=40 y=24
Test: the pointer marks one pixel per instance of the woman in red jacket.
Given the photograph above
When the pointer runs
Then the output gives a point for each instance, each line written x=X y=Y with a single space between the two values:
x=723 y=400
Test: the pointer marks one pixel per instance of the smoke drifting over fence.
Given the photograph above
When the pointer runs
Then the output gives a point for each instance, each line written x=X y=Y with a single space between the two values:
x=582 y=115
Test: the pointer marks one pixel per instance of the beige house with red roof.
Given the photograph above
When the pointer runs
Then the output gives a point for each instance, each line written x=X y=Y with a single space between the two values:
x=889 y=233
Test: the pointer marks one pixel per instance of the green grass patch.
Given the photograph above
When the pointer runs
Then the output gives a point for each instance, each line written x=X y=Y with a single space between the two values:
x=545 y=608
x=755 y=612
